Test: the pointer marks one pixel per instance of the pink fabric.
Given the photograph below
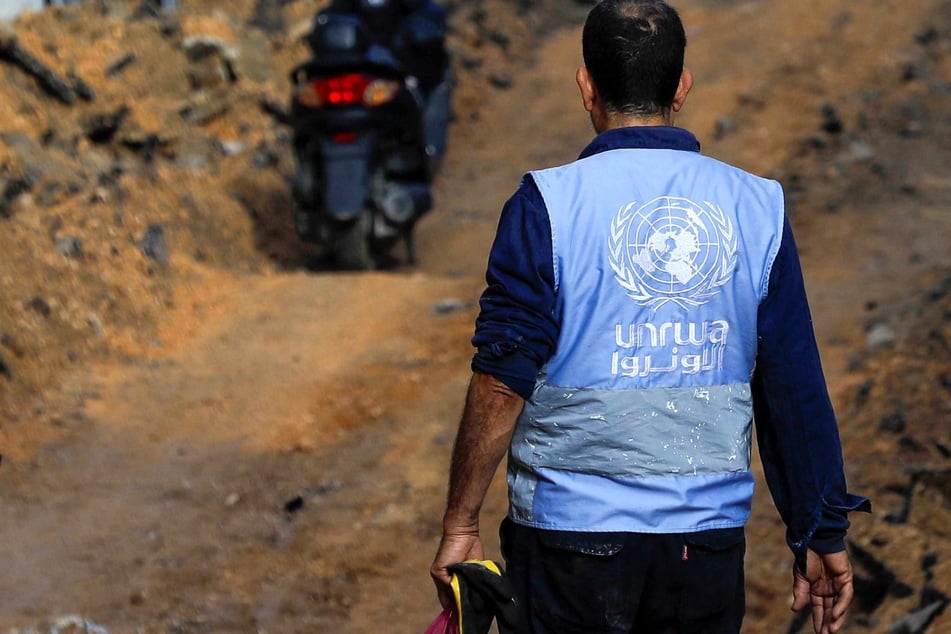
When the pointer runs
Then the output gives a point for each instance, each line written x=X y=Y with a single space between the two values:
x=445 y=623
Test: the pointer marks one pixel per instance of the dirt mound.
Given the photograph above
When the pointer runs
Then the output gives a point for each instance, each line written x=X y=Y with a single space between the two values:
x=150 y=150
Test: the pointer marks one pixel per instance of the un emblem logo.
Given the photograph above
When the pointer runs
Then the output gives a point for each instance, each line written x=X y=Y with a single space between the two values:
x=672 y=250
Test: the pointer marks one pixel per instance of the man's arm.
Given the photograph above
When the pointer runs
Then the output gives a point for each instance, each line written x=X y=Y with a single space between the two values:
x=485 y=431
x=516 y=332
x=799 y=444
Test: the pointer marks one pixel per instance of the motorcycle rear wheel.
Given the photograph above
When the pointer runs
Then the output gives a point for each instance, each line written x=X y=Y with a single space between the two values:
x=352 y=248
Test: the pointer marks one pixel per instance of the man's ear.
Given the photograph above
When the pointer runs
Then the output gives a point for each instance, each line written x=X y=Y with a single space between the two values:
x=589 y=94
x=683 y=87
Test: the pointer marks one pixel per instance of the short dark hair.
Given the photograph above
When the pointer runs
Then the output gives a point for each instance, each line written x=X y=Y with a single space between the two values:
x=634 y=51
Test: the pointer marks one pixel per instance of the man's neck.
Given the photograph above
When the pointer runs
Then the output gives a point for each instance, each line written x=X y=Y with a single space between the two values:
x=613 y=120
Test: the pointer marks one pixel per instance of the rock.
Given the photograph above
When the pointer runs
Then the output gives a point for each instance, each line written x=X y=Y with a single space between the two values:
x=859 y=152
x=74 y=624
x=265 y=158
x=450 y=305
x=69 y=246
x=930 y=594
x=723 y=126
x=10 y=343
x=929 y=35
x=879 y=335
x=120 y=64
x=153 y=244
x=294 y=504
x=46 y=171
x=926 y=494
x=83 y=90
x=325 y=488
x=137 y=597
x=230 y=148
x=254 y=58
x=501 y=39
x=11 y=190
x=8 y=36
x=939 y=290
x=38 y=305
x=831 y=122
x=877 y=582
x=52 y=192
x=101 y=128
x=205 y=106
x=917 y=622
x=196 y=152
x=276 y=109
x=156 y=9
x=502 y=82
x=893 y=423
x=929 y=504
x=915 y=117
x=469 y=62
x=912 y=71
x=754 y=99
x=100 y=162
x=50 y=82
x=268 y=16
x=96 y=324
x=145 y=145
x=910 y=443
x=5 y=369
x=209 y=61
x=863 y=392
x=147 y=9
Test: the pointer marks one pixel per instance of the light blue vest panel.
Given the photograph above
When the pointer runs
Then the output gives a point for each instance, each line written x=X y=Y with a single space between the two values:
x=641 y=421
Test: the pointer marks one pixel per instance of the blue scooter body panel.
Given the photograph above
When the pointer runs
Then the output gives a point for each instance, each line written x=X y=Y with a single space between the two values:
x=346 y=177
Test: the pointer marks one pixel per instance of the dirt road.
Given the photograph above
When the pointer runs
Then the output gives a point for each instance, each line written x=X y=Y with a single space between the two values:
x=276 y=463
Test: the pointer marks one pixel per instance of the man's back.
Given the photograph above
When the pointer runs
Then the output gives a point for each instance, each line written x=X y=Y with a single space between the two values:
x=646 y=400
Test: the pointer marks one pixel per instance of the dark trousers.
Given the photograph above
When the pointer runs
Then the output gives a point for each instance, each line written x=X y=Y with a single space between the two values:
x=621 y=583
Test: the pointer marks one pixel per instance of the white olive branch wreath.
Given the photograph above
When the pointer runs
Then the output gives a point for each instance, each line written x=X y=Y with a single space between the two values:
x=639 y=292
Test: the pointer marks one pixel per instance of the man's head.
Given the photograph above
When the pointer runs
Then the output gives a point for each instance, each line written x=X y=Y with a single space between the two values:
x=634 y=57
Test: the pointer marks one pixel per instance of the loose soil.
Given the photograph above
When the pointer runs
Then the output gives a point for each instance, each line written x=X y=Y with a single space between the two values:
x=230 y=442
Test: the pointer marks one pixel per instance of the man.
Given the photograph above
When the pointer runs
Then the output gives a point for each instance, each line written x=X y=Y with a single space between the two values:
x=414 y=30
x=643 y=303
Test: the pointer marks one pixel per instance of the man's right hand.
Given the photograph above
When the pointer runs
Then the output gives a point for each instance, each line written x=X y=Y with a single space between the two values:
x=456 y=546
x=826 y=584
x=485 y=431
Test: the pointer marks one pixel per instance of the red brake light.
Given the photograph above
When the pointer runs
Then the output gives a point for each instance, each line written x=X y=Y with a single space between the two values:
x=344 y=137
x=347 y=90
x=342 y=90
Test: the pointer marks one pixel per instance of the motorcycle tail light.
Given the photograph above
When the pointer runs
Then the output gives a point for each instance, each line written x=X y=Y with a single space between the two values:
x=347 y=90
x=344 y=137
x=380 y=91
x=306 y=95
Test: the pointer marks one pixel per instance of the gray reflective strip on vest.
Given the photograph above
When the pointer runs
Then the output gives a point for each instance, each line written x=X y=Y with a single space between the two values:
x=636 y=433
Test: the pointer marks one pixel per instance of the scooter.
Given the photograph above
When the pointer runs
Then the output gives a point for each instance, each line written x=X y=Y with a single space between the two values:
x=363 y=163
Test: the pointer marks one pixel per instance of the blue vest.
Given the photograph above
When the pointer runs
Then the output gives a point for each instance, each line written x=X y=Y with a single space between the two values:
x=641 y=420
